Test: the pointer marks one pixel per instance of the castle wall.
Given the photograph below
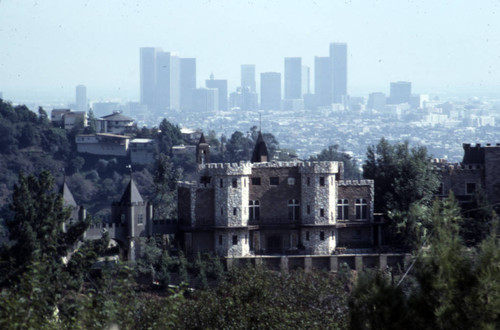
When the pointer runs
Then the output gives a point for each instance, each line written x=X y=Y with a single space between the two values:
x=492 y=173
x=357 y=189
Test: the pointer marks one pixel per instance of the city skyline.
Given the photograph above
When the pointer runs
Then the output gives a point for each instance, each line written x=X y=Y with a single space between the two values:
x=51 y=47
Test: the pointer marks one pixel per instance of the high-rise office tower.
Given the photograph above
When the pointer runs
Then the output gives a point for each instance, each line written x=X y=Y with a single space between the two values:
x=306 y=82
x=293 y=77
x=167 y=81
x=148 y=76
x=205 y=99
x=322 y=81
x=400 y=92
x=248 y=77
x=81 y=98
x=270 y=90
x=338 y=57
x=221 y=86
x=187 y=82
x=376 y=101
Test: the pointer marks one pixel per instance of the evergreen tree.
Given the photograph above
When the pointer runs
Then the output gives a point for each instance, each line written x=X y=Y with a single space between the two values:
x=332 y=153
x=165 y=187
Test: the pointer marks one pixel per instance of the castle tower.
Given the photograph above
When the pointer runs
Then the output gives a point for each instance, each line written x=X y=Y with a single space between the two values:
x=202 y=151
x=260 y=154
x=78 y=212
x=135 y=215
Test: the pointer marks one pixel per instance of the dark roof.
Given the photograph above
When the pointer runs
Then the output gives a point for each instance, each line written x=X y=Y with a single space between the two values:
x=131 y=194
x=259 y=150
x=117 y=117
x=202 y=139
x=68 y=199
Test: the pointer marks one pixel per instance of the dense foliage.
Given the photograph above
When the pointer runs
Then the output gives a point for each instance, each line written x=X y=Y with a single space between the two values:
x=332 y=153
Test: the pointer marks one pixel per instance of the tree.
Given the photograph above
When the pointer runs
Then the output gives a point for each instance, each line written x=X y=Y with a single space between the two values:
x=332 y=153
x=165 y=187
x=405 y=184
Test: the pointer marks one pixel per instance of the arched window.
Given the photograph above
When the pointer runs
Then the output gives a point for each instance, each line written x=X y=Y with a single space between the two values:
x=342 y=209
x=361 y=209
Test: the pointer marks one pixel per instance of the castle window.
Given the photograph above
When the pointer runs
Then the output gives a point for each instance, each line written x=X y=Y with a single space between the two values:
x=308 y=209
x=293 y=209
x=220 y=239
x=322 y=181
x=307 y=235
x=308 y=181
x=235 y=183
x=322 y=212
x=470 y=188
x=122 y=218
x=361 y=209
x=342 y=209
x=140 y=219
x=291 y=181
x=256 y=181
x=274 y=181
x=322 y=235
x=254 y=208
x=235 y=211
x=235 y=239
x=221 y=183
x=221 y=211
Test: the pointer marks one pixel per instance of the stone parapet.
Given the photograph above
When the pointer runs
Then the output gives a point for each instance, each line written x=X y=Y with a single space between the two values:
x=355 y=182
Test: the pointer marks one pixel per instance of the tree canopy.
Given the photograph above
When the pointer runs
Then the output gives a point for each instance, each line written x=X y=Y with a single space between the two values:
x=332 y=153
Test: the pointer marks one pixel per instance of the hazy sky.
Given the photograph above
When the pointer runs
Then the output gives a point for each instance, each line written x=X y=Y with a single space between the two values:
x=47 y=47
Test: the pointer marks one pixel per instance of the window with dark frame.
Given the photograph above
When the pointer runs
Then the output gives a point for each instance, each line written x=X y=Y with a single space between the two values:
x=254 y=210
x=293 y=209
x=342 y=209
x=234 y=183
x=470 y=188
x=307 y=235
x=322 y=235
x=308 y=181
x=322 y=181
x=235 y=239
x=361 y=209
x=274 y=181
x=308 y=209
x=220 y=239
x=221 y=183
x=256 y=181
x=322 y=213
x=235 y=211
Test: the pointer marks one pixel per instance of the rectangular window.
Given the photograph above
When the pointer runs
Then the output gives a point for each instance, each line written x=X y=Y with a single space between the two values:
x=356 y=234
x=441 y=189
x=274 y=181
x=470 y=188
x=235 y=239
x=308 y=181
x=342 y=209
x=361 y=209
x=254 y=209
x=322 y=235
x=308 y=209
x=322 y=181
x=235 y=211
x=307 y=235
x=256 y=181
x=220 y=239
x=293 y=209
x=221 y=183
x=322 y=212
x=140 y=219
x=235 y=183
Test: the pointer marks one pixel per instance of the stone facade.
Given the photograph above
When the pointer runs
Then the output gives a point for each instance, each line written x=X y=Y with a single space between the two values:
x=273 y=208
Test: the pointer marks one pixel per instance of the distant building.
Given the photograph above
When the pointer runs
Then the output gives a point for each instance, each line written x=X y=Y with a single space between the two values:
x=322 y=81
x=102 y=108
x=244 y=99
x=103 y=144
x=187 y=83
x=293 y=77
x=142 y=151
x=270 y=90
x=400 y=92
x=418 y=101
x=248 y=77
x=148 y=76
x=81 y=98
x=338 y=57
x=167 y=82
x=205 y=99
x=306 y=83
x=221 y=86
x=376 y=101
x=116 y=123
x=67 y=118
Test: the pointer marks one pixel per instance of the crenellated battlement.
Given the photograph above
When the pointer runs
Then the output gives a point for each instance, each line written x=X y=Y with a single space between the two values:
x=355 y=182
x=221 y=169
x=457 y=167
x=321 y=167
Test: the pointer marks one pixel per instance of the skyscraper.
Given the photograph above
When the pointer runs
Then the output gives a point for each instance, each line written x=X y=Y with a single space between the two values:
x=338 y=57
x=148 y=75
x=306 y=82
x=270 y=90
x=221 y=86
x=248 y=77
x=167 y=81
x=322 y=81
x=205 y=99
x=187 y=82
x=293 y=77
x=400 y=92
x=81 y=98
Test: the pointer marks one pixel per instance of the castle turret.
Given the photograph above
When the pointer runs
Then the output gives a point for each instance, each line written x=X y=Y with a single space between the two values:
x=202 y=151
x=260 y=154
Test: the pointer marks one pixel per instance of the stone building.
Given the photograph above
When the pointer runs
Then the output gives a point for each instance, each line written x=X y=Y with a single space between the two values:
x=263 y=207
x=479 y=169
